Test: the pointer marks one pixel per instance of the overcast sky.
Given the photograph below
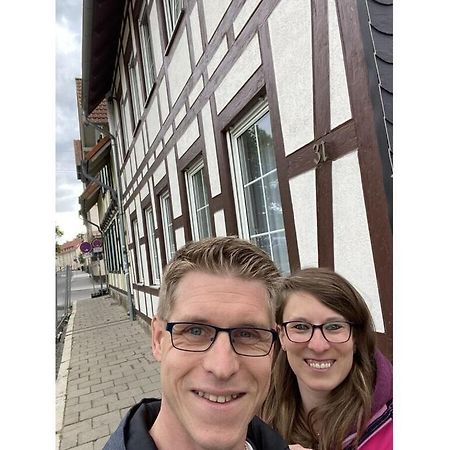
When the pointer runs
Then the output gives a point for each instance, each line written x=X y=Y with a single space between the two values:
x=68 y=67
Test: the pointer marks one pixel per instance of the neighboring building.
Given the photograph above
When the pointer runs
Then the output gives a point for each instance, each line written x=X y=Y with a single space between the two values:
x=69 y=254
x=271 y=120
x=92 y=160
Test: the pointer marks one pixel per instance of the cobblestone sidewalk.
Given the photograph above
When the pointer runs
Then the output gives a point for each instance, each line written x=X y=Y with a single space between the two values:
x=107 y=366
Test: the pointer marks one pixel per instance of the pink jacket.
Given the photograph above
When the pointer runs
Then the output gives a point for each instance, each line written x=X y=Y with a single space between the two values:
x=379 y=432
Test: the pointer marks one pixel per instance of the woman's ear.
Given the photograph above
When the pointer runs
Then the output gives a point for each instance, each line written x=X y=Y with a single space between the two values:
x=157 y=337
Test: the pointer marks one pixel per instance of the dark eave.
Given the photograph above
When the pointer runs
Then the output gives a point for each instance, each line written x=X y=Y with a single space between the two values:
x=102 y=20
x=88 y=198
x=98 y=156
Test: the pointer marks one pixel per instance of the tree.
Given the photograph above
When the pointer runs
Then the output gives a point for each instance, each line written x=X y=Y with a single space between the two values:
x=58 y=234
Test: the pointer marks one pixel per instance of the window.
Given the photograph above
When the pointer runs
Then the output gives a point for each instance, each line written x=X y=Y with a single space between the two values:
x=153 y=247
x=256 y=185
x=172 y=10
x=198 y=202
x=169 y=239
x=146 y=47
x=137 y=252
x=134 y=86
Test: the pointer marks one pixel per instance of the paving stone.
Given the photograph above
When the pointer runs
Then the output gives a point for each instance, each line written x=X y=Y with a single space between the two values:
x=111 y=368
x=86 y=436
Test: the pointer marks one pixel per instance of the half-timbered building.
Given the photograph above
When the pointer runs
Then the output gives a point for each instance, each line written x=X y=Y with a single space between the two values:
x=266 y=119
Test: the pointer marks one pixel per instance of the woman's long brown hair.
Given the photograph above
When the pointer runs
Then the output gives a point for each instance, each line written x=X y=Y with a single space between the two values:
x=349 y=404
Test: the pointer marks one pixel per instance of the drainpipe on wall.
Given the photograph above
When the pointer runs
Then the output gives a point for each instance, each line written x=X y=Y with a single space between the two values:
x=118 y=194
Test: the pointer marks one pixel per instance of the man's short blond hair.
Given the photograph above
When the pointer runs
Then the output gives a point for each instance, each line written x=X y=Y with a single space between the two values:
x=230 y=256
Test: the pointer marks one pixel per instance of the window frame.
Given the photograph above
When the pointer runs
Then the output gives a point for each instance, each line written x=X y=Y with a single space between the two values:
x=148 y=60
x=193 y=208
x=153 y=248
x=237 y=179
x=171 y=21
x=168 y=231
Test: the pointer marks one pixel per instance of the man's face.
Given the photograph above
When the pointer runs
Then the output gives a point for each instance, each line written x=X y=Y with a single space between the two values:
x=210 y=397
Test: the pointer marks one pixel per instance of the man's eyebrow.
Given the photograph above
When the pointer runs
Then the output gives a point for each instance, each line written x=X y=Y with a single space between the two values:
x=202 y=320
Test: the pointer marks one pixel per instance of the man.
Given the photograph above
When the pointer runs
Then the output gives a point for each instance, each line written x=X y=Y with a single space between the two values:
x=213 y=334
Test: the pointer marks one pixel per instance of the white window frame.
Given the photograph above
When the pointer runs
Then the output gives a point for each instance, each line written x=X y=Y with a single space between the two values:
x=193 y=207
x=139 y=272
x=146 y=47
x=236 y=171
x=172 y=15
x=169 y=235
x=134 y=86
x=153 y=245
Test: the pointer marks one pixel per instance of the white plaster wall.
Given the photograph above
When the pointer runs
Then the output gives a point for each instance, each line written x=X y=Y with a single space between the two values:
x=303 y=195
x=144 y=190
x=214 y=11
x=243 y=69
x=353 y=256
x=159 y=173
x=139 y=149
x=217 y=57
x=156 y=40
x=179 y=69
x=173 y=181
x=196 y=36
x=244 y=15
x=219 y=222
x=339 y=99
x=291 y=22
x=179 y=237
x=159 y=148
x=163 y=101
x=211 y=154
x=168 y=135
x=188 y=138
x=153 y=123
x=180 y=116
x=155 y=303
x=196 y=91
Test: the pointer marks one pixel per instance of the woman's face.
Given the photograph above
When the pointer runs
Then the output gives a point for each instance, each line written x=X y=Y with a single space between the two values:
x=319 y=365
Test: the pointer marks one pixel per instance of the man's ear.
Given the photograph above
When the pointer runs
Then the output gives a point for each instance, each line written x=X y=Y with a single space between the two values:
x=158 y=333
x=282 y=337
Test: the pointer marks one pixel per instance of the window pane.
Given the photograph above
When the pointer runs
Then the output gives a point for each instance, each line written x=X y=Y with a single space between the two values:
x=203 y=223
x=199 y=191
x=263 y=242
x=279 y=251
x=256 y=208
x=248 y=153
x=273 y=202
x=265 y=142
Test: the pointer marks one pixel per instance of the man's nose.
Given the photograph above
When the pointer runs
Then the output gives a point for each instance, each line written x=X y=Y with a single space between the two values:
x=220 y=359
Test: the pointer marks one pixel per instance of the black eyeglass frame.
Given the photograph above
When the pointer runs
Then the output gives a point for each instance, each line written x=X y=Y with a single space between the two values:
x=170 y=325
x=320 y=327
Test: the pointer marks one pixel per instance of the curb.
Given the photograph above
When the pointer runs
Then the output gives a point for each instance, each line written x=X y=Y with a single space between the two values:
x=62 y=378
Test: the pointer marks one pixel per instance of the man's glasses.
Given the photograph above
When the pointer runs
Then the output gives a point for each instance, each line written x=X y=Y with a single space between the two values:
x=336 y=332
x=198 y=337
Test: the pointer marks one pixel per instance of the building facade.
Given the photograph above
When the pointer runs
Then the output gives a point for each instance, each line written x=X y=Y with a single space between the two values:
x=269 y=119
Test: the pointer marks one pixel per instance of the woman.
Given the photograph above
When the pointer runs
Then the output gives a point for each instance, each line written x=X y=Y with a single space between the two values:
x=331 y=389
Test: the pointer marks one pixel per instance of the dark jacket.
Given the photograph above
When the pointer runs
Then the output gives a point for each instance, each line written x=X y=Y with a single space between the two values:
x=132 y=433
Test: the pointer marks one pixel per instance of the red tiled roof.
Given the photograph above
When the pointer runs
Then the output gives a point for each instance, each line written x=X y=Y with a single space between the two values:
x=100 y=113
x=78 y=151
x=71 y=245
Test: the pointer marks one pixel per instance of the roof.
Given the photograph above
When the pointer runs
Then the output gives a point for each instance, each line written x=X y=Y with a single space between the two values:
x=78 y=151
x=71 y=245
x=89 y=197
x=98 y=156
x=100 y=113
x=102 y=22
